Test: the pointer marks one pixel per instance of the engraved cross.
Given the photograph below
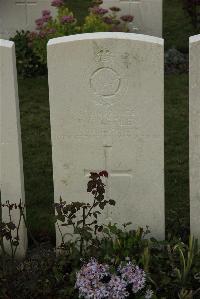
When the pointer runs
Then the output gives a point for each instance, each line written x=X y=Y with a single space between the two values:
x=111 y=173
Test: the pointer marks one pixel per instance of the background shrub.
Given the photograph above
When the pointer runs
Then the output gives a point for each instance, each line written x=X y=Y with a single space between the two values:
x=28 y=63
x=31 y=46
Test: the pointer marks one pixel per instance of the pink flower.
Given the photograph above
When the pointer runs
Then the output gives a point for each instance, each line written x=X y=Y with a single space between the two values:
x=46 y=12
x=108 y=20
x=114 y=8
x=103 y=173
x=127 y=18
x=51 y=30
x=46 y=15
x=47 y=18
x=67 y=19
x=42 y=34
x=39 y=23
x=57 y=3
x=99 y=11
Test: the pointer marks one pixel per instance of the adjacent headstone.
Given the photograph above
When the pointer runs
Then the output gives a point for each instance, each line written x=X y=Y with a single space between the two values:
x=11 y=166
x=107 y=113
x=21 y=15
x=194 y=134
x=147 y=14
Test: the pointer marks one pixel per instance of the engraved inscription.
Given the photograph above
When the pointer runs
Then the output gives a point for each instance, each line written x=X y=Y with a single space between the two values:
x=25 y=2
x=105 y=82
x=101 y=54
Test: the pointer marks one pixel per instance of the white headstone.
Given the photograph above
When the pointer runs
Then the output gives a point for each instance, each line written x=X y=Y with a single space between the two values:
x=147 y=14
x=11 y=165
x=21 y=14
x=106 y=109
x=194 y=134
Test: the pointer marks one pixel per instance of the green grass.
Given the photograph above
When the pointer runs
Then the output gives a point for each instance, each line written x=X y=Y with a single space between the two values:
x=177 y=25
x=176 y=148
x=35 y=126
x=36 y=131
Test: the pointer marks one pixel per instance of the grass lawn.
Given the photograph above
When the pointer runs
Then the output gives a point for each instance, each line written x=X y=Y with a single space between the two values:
x=177 y=26
x=36 y=133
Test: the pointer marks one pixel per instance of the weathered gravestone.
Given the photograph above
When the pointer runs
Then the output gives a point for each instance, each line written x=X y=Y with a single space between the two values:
x=106 y=108
x=11 y=165
x=147 y=14
x=20 y=14
x=194 y=135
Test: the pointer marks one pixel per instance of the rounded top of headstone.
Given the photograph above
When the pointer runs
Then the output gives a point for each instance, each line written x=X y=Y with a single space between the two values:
x=194 y=38
x=107 y=35
x=6 y=43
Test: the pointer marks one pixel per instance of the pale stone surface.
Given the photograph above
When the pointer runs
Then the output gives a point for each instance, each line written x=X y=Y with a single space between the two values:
x=11 y=165
x=21 y=14
x=106 y=109
x=194 y=135
x=147 y=14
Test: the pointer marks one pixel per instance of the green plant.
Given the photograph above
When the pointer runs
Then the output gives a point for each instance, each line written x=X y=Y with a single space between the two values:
x=31 y=52
x=47 y=28
x=28 y=64
x=9 y=231
x=83 y=216
x=187 y=259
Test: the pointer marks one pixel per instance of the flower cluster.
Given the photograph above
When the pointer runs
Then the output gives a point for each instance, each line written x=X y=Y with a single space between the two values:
x=110 y=17
x=127 y=18
x=57 y=3
x=46 y=15
x=133 y=275
x=89 y=280
x=39 y=23
x=117 y=288
x=67 y=19
x=99 y=10
x=115 y=8
x=94 y=281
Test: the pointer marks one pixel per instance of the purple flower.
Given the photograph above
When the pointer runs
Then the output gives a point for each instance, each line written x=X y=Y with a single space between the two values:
x=51 y=30
x=39 y=23
x=127 y=18
x=42 y=34
x=46 y=15
x=46 y=12
x=95 y=282
x=88 y=280
x=133 y=275
x=117 y=288
x=99 y=11
x=47 y=18
x=108 y=20
x=67 y=19
x=115 y=8
x=57 y=3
